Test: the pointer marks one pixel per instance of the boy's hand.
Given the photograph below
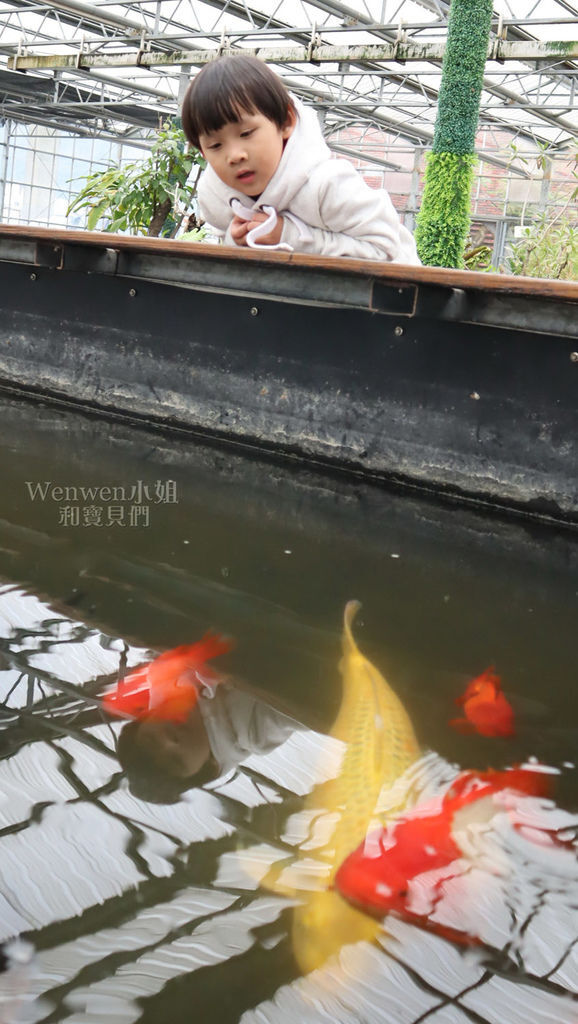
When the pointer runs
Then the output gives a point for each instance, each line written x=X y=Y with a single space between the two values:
x=240 y=229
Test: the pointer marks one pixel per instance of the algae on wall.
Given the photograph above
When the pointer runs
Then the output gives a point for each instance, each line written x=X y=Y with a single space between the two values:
x=444 y=219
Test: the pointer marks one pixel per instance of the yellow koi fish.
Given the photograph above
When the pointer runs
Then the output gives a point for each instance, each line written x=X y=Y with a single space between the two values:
x=380 y=745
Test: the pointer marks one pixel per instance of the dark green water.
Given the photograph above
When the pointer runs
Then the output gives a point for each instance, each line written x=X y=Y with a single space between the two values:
x=126 y=901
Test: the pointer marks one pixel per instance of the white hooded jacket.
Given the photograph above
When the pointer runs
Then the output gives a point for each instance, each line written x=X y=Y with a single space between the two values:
x=326 y=206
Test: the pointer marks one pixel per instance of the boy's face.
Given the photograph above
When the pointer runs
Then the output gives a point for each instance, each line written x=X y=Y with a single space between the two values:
x=245 y=154
x=180 y=749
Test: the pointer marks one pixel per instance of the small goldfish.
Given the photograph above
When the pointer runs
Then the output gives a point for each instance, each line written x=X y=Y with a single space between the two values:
x=401 y=868
x=166 y=688
x=486 y=709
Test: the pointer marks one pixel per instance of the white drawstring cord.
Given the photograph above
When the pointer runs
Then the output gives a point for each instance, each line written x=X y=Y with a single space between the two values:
x=262 y=229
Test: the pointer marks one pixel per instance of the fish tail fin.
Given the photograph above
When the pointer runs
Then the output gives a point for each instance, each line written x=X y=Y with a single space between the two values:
x=462 y=725
x=351 y=610
x=210 y=646
x=189 y=655
x=533 y=780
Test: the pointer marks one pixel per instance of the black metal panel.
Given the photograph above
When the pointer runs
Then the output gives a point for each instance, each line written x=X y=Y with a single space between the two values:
x=426 y=399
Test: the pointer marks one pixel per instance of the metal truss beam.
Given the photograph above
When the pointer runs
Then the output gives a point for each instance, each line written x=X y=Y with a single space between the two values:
x=382 y=82
x=397 y=53
x=378 y=161
x=417 y=135
x=98 y=18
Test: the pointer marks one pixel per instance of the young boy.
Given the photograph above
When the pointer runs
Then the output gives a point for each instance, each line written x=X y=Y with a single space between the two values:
x=224 y=726
x=271 y=181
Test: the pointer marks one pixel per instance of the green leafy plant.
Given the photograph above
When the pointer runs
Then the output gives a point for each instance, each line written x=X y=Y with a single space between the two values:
x=548 y=248
x=444 y=219
x=541 y=160
x=150 y=197
x=549 y=244
x=196 y=235
x=479 y=257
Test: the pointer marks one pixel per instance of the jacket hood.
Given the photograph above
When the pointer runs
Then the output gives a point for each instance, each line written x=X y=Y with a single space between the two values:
x=304 y=150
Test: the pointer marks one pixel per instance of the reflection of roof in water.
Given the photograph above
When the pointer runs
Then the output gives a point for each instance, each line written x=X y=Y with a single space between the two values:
x=36 y=642
x=121 y=896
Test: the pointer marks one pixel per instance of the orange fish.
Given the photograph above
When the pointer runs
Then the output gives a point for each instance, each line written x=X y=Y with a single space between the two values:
x=167 y=688
x=391 y=868
x=486 y=709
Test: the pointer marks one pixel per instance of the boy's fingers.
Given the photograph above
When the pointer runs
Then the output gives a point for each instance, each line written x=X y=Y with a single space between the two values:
x=239 y=231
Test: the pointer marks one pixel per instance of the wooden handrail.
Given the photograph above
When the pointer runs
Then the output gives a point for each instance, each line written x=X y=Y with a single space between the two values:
x=464 y=279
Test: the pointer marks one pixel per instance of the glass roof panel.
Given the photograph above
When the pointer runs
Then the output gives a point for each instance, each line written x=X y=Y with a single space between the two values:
x=108 y=87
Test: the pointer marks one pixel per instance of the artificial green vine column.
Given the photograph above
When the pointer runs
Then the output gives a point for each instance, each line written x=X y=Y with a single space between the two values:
x=444 y=219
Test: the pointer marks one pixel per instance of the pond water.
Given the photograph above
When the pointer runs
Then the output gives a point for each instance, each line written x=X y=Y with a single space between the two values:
x=135 y=893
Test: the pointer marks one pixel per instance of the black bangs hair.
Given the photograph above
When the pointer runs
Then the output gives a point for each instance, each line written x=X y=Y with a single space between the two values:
x=148 y=782
x=226 y=88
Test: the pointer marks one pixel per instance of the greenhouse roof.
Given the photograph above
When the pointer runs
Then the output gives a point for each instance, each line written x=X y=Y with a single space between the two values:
x=118 y=69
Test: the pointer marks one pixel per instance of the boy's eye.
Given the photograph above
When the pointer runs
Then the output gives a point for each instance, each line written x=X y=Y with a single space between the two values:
x=213 y=145
x=247 y=132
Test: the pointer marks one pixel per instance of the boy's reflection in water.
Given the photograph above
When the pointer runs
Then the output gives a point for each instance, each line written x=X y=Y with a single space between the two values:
x=226 y=725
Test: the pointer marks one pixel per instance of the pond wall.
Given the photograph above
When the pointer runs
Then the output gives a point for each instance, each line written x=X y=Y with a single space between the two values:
x=456 y=382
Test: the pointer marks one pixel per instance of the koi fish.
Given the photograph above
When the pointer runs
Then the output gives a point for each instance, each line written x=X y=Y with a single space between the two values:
x=401 y=868
x=380 y=745
x=486 y=709
x=166 y=688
